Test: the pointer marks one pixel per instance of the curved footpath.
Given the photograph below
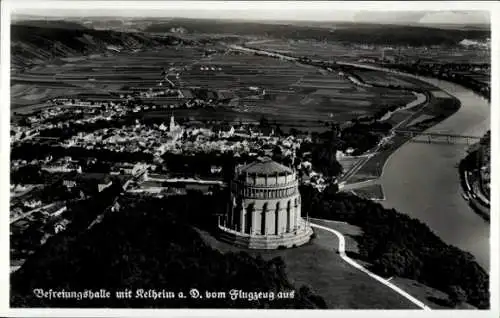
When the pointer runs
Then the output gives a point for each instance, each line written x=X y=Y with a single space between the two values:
x=422 y=180
x=353 y=263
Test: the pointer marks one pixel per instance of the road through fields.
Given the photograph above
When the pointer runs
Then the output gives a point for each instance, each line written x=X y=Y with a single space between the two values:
x=422 y=180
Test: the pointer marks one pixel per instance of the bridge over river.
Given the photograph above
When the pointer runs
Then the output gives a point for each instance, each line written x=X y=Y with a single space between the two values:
x=436 y=137
x=422 y=180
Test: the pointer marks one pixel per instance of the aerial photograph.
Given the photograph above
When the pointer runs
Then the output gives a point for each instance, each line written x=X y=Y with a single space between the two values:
x=249 y=158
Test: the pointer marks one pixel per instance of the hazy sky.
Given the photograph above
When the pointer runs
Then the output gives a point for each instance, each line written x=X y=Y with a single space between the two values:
x=312 y=11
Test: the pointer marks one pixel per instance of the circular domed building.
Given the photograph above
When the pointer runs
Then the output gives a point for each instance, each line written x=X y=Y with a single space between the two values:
x=264 y=209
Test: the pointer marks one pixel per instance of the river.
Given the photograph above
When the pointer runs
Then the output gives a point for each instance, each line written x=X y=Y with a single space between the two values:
x=422 y=180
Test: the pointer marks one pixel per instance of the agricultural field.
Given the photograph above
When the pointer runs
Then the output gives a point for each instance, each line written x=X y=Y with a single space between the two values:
x=202 y=114
x=299 y=93
x=372 y=77
x=29 y=94
x=414 y=81
x=317 y=50
x=292 y=94
x=96 y=74
x=238 y=71
x=373 y=168
x=466 y=55
x=348 y=163
x=434 y=111
x=355 y=52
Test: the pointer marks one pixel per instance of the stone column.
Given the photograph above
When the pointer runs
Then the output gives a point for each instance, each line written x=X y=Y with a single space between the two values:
x=277 y=221
x=283 y=221
x=231 y=223
x=242 y=219
x=250 y=222
x=263 y=217
x=298 y=212
x=288 y=218
x=254 y=222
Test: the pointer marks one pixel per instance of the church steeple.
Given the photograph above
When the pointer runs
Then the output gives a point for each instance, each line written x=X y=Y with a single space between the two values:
x=172 y=122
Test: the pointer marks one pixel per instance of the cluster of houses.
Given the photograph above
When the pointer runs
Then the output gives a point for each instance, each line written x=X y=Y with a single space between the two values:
x=137 y=138
x=50 y=222
x=38 y=122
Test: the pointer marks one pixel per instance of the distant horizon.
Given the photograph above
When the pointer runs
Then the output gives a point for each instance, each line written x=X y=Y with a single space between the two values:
x=317 y=11
x=19 y=17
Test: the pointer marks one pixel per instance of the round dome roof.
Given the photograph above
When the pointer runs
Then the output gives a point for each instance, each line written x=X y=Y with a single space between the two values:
x=265 y=166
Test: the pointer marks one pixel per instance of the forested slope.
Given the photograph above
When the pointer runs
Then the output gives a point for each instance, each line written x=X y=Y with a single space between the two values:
x=375 y=34
x=36 y=41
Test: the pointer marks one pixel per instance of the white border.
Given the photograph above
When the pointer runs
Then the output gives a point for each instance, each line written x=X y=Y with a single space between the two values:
x=7 y=6
x=4 y=157
x=291 y=6
x=495 y=171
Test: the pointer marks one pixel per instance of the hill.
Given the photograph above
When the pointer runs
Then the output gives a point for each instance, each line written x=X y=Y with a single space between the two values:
x=149 y=245
x=343 y=32
x=37 y=41
x=397 y=245
x=51 y=24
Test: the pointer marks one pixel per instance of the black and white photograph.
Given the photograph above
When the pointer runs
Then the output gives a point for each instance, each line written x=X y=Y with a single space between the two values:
x=238 y=155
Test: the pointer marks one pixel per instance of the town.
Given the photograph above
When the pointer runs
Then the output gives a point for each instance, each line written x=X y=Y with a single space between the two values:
x=279 y=160
x=65 y=169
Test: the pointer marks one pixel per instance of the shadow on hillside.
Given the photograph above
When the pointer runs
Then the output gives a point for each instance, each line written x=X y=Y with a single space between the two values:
x=355 y=256
x=440 y=301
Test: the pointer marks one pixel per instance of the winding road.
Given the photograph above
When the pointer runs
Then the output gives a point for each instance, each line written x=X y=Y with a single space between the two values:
x=353 y=263
x=433 y=194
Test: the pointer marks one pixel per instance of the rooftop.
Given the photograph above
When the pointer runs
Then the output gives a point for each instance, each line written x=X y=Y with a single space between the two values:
x=265 y=166
x=94 y=177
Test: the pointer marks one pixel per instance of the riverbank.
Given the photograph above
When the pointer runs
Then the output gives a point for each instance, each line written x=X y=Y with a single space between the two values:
x=435 y=111
x=470 y=178
x=433 y=194
x=396 y=244
x=421 y=180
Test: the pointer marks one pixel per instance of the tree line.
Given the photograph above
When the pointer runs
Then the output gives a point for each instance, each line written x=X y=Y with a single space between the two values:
x=396 y=244
x=150 y=245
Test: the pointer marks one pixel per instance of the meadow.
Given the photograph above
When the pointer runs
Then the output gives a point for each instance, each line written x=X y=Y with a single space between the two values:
x=290 y=93
x=341 y=286
x=380 y=78
x=317 y=49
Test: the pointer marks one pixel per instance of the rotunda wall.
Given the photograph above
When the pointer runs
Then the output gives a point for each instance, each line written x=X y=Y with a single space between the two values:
x=279 y=215
x=270 y=180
